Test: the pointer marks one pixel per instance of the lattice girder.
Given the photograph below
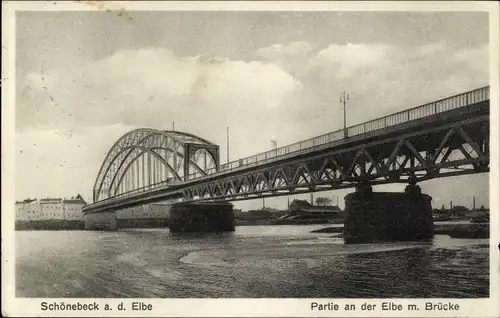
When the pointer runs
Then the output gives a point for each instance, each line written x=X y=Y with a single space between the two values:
x=454 y=149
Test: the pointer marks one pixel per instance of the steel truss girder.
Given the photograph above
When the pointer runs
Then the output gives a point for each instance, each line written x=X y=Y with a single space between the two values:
x=437 y=152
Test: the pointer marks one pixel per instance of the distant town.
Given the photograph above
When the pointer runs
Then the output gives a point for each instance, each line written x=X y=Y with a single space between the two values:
x=50 y=213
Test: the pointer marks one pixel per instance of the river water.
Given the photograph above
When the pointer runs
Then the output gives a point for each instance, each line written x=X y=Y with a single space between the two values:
x=254 y=261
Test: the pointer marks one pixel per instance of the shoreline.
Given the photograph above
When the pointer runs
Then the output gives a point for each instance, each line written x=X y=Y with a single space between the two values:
x=50 y=225
x=464 y=230
x=452 y=229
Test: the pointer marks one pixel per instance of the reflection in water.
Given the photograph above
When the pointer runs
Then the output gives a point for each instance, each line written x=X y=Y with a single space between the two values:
x=257 y=261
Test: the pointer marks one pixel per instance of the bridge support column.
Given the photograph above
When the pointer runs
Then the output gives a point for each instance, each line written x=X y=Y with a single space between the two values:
x=387 y=216
x=100 y=221
x=201 y=217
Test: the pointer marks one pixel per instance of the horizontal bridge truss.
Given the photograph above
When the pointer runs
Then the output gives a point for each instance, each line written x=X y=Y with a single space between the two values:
x=449 y=150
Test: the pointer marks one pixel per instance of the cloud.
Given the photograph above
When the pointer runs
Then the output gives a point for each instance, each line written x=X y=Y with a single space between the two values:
x=51 y=162
x=350 y=58
x=292 y=50
x=432 y=48
x=67 y=119
x=383 y=79
x=292 y=57
x=137 y=87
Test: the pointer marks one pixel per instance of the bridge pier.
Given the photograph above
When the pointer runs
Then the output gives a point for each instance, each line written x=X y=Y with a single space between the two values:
x=202 y=217
x=100 y=221
x=387 y=216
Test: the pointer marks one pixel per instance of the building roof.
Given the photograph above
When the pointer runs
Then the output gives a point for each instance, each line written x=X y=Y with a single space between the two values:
x=305 y=206
x=77 y=199
x=25 y=201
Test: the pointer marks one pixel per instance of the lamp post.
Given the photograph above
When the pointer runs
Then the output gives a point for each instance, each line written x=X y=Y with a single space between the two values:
x=343 y=99
x=275 y=145
x=227 y=143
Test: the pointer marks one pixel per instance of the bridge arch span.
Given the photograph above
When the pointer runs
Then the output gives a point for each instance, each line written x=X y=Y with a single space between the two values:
x=145 y=158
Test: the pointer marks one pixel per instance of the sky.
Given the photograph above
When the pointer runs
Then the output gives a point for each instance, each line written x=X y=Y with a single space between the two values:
x=83 y=79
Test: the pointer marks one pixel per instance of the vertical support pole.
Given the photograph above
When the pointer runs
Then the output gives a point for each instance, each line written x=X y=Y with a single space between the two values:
x=149 y=169
x=132 y=176
x=216 y=153
x=143 y=169
x=137 y=174
x=158 y=171
x=187 y=158
x=167 y=173
x=153 y=170
x=124 y=183
x=205 y=160
x=175 y=156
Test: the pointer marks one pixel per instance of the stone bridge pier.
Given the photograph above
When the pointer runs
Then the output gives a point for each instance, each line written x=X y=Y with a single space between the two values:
x=101 y=221
x=202 y=217
x=182 y=217
x=387 y=216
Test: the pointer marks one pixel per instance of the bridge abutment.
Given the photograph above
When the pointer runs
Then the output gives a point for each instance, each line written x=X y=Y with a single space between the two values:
x=202 y=217
x=387 y=216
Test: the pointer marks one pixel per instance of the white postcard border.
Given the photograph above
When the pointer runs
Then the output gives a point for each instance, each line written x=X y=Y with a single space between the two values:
x=236 y=307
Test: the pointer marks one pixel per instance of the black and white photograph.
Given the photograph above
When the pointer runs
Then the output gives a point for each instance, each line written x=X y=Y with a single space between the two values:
x=251 y=152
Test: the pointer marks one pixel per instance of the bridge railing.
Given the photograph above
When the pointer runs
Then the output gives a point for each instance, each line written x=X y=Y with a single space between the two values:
x=319 y=142
x=440 y=106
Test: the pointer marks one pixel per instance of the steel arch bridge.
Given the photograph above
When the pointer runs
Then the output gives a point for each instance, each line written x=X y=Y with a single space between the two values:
x=145 y=157
x=447 y=137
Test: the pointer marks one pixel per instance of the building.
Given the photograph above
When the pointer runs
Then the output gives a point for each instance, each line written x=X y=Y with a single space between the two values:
x=50 y=209
x=304 y=207
x=72 y=208
x=24 y=210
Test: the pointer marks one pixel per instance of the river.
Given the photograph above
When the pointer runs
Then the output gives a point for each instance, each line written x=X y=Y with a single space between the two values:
x=254 y=261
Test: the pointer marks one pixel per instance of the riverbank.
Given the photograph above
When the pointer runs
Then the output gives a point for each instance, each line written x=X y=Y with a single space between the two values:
x=50 y=225
x=464 y=230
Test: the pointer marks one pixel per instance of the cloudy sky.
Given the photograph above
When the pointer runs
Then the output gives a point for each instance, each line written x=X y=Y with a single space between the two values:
x=85 y=78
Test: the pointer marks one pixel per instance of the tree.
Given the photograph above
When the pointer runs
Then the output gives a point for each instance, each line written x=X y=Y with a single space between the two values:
x=322 y=201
